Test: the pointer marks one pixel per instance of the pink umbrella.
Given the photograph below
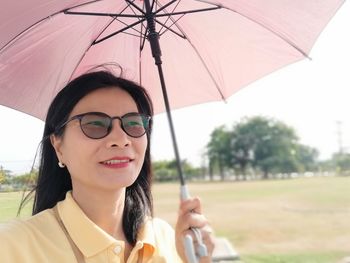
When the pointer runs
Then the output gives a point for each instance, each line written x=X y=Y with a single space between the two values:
x=211 y=49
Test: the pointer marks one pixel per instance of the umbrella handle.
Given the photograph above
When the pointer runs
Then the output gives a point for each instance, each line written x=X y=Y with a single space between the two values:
x=188 y=241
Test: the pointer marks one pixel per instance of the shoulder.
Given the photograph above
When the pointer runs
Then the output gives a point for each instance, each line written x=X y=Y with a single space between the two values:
x=23 y=228
x=162 y=227
x=164 y=240
x=19 y=229
x=20 y=237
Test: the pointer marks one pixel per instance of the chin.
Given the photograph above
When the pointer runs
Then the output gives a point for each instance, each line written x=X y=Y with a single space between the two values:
x=119 y=183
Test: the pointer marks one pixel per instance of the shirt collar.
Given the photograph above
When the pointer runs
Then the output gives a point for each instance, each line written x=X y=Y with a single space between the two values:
x=89 y=237
x=147 y=236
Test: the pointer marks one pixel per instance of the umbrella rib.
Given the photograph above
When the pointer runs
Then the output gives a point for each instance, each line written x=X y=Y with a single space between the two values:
x=165 y=6
x=189 y=11
x=119 y=31
x=41 y=20
x=285 y=39
x=144 y=37
x=169 y=28
x=125 y=24
x=93 y=43
x=135 y=6
x=87 y=3
x=197 y=52
x=105 y=28
x=207 y=69
x=102 y=14
x=160 y=30
x=114 y=19
x=110 y=14
x=182 y=13
x=203 y=62
x=138 y=31
x=154 y=3
x=142 y=44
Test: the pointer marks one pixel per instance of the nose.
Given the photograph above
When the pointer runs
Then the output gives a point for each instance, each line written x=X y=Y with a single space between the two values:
x=117 y=137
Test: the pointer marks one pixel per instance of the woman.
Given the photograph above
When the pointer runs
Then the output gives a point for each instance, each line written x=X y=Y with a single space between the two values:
x=93 y=198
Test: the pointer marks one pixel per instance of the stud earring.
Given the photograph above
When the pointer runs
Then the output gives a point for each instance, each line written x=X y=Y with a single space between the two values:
x=61 y=165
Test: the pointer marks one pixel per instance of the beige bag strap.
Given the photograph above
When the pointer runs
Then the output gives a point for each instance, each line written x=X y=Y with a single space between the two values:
x=78 y=255
x=140 y=257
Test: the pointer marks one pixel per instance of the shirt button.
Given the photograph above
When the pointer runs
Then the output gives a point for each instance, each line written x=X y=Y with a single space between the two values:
x=117 y=249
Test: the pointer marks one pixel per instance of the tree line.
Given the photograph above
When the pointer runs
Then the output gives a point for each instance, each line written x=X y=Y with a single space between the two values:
x=265 y=146
x=255 y=145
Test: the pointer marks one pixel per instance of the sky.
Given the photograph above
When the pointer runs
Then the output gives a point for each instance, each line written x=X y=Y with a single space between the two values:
x=312 y=96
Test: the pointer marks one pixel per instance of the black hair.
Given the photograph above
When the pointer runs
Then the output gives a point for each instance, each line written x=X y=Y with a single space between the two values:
x=53 y=182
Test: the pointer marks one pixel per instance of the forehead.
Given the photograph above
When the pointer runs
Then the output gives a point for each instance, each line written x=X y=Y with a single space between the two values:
x=112 y=100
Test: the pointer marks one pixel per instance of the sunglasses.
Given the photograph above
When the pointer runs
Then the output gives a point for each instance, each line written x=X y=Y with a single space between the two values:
x=97 y=125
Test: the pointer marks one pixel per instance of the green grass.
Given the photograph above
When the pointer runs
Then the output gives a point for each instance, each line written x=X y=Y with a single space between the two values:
x=304 y=220
x=294 y=220
x=296 y=258
x=9 y=204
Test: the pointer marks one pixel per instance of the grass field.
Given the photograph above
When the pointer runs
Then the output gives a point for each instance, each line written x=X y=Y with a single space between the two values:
x=298 y=221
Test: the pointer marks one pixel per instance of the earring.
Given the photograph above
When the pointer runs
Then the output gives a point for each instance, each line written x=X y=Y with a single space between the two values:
x=61 y=165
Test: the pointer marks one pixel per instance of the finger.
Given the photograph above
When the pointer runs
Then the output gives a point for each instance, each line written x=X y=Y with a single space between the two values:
x=191 y=220
x=190 y=205
x=206 y=238
x=190 y=233
x=206 y=233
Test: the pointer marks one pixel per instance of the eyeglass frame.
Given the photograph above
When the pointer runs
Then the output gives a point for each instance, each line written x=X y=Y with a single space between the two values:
x=110 y=126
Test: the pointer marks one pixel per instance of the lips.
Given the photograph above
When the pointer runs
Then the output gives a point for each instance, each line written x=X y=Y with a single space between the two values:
x=117 y=162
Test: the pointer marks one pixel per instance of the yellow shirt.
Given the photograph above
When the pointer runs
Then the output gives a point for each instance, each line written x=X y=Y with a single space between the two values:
x=41 y=239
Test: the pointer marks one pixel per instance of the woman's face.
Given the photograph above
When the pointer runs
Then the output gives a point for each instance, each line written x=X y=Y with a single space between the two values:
x=109 y=163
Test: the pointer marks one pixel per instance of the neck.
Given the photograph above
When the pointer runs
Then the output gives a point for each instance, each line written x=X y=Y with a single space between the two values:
x=104 y=208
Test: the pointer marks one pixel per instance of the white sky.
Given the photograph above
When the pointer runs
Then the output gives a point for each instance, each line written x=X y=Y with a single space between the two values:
x=310 y=96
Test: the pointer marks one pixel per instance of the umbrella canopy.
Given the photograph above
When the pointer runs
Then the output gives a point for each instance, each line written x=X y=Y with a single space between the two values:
x=206 y=55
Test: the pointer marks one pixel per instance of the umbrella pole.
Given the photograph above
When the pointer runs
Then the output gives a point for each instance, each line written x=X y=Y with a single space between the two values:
x=153 y=38
x=172 y=131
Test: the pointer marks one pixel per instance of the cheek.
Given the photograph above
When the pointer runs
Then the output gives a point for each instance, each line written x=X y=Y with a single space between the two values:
x=140 y=148
x=78 y=154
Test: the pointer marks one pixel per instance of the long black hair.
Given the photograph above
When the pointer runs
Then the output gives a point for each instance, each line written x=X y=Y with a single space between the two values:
x=53 y=182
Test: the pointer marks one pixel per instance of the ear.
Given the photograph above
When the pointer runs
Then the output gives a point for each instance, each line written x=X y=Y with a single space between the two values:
x=57 y=145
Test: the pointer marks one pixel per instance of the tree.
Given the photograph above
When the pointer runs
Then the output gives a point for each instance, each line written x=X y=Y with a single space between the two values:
x=167 y=171
x=264 y=144
x=5 y=175
x=219 y=152
x=307 y=157
x=164 y=171
x=341 y=161
x=2 y=177
x=242 y=144
x=26 y=180
x=274 y=145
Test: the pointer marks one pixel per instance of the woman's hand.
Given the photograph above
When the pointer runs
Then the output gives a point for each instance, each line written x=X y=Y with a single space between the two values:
x=190 y=215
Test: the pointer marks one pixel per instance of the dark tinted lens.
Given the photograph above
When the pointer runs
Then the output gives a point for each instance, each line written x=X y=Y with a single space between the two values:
x=95 y=126
x=135 y=125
